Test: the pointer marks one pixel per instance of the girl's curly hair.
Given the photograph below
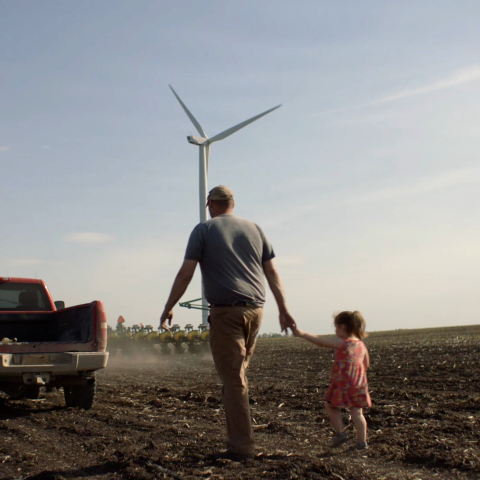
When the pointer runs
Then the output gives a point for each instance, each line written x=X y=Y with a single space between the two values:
x=353 y=321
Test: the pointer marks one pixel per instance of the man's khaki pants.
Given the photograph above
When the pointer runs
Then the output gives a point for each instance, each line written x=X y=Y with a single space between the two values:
x=233 y=334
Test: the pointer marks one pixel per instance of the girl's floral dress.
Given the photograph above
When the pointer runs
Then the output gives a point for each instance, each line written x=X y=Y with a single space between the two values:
x=349 y=386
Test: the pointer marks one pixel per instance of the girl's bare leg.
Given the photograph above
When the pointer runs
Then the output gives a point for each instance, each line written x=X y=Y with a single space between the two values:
x=360 y=424
x=335 y=418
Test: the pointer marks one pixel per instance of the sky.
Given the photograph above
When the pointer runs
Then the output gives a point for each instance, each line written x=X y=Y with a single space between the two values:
x=365 y=181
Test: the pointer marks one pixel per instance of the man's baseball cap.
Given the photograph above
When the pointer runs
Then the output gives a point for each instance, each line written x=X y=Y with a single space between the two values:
x=220 y=193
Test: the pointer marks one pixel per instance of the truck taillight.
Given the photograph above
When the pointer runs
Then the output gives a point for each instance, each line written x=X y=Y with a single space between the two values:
x=101 y=318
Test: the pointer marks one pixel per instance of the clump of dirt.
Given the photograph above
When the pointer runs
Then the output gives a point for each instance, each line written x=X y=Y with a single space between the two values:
x=161 y=417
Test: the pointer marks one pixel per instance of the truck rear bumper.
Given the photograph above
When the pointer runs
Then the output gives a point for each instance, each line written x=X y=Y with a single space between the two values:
x=16 y=364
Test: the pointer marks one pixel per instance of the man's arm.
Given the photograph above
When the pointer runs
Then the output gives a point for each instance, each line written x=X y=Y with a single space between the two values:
x=275 y=284
x=182 y=280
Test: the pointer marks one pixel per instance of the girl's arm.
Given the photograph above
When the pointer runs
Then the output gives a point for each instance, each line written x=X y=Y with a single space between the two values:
x=334 y=342
x=366 y=359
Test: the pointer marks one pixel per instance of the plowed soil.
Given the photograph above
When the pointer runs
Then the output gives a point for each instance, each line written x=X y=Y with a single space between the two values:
x=161 y=416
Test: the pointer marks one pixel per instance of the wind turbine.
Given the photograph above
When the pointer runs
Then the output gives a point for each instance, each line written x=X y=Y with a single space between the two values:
x=204 y=143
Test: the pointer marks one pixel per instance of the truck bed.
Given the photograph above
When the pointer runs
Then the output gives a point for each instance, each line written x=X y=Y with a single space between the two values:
x=64 y=326
x=78 y=328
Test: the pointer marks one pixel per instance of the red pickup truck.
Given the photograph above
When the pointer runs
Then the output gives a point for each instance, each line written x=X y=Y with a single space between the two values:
x=42 y=343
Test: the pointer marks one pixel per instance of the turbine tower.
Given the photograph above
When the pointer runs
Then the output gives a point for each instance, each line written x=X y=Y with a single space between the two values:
x=204 y=143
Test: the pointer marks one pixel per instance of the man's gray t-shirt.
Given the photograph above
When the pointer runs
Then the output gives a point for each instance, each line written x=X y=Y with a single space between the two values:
x=231 y=251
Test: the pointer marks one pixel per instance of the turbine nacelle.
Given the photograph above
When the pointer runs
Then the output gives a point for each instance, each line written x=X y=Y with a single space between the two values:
x=197 y=140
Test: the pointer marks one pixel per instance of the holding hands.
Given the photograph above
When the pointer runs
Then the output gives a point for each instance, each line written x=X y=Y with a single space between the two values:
x=287 y=322
x=297 y=332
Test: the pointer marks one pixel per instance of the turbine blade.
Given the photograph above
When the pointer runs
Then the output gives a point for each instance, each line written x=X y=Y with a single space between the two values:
x=226 y=133
x=207 y=154
x=190 y=116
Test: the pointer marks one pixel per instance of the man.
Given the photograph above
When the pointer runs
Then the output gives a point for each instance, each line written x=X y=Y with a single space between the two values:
x=234 y=254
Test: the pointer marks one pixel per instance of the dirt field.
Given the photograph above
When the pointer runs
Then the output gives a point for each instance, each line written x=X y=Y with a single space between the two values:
x=161 y=416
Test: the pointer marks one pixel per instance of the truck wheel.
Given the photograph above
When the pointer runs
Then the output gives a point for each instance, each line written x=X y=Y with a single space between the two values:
x=32 y=392
x=81 y=396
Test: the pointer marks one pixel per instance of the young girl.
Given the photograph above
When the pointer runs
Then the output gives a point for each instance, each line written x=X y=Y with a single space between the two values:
x=349 y=386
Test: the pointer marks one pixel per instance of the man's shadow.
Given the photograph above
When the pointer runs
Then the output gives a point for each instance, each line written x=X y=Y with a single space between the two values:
x=94 y=470
x=11 y=409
